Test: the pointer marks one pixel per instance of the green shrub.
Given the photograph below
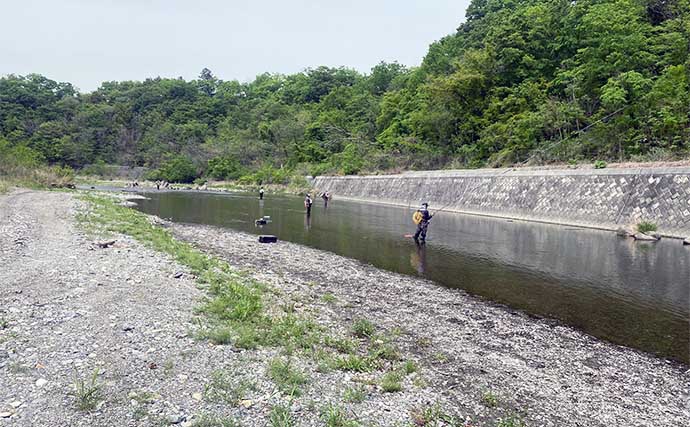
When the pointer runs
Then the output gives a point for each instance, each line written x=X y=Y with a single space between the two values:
x=391 y=382
x=178 y=169
x=600 y=164
x=363 y=328
x=646 y=227
x=225 y=167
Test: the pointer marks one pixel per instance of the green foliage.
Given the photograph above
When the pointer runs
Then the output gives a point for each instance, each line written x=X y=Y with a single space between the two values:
x=600 y=164
x=206 y=420
x=409 y=367
x=178 y=169
x=224 y=168
x=225 y=387
x=87 y=391
x=490 y=399
x=287 y=377
x=335 y=416
x=353 y=362
x=646 y=227
x=529 y=81
x=281 y=416
x=363 y=328
x=354 y=394
x=391 y=382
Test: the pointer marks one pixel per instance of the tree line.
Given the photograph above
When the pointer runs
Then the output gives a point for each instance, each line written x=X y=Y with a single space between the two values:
x=519 y=82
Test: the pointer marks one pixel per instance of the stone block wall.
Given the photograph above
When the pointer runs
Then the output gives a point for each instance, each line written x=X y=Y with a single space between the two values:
x=599 y=198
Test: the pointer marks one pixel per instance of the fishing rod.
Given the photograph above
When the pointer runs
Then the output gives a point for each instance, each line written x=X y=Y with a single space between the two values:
x=444 y=207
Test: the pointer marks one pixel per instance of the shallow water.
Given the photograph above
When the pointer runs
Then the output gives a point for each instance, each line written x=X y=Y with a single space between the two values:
x=634 y=294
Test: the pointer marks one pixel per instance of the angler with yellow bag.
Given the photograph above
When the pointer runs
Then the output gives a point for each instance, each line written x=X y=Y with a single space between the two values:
x=421 y=217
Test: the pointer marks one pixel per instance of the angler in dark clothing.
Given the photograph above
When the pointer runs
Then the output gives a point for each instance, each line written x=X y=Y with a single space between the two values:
x=261 y=193
x=326 y=197
x=423 y=225
x=307 y=203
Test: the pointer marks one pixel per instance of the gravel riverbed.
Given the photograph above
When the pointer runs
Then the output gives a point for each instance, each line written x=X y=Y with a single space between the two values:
x=69 y=308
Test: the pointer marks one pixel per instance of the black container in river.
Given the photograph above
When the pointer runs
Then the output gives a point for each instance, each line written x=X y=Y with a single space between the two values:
x=631 y=293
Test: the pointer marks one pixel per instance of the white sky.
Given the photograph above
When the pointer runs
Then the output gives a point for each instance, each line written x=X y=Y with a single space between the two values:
x=86 y=42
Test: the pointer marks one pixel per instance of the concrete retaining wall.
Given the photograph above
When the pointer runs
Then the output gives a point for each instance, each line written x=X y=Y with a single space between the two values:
x=599 y=198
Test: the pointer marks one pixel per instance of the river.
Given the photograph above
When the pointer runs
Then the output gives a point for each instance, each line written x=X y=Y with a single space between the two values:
x=631 y=293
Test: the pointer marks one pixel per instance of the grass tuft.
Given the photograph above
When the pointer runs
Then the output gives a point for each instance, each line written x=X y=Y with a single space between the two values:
x=288 y=378
x=224 y=387
x=214 y=421
x=391 y=382
x=335 y=416
x=490 y=399
x=363 y=328
x=87 y=391
x=280 y=416
x=646 y=227
x=353 y=362
x=354 y=394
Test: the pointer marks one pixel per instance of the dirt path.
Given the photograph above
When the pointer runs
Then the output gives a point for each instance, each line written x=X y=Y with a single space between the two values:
x=68 y=308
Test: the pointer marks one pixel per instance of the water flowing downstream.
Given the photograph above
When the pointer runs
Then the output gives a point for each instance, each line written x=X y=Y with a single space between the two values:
x=631 y=293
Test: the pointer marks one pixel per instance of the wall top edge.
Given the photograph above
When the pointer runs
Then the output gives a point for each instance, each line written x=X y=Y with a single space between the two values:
x=521 y=172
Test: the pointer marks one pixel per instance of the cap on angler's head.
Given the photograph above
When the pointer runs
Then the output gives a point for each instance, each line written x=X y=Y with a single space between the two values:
x=425 y=205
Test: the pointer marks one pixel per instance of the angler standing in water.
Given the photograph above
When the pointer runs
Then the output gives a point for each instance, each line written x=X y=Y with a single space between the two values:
x=307 y=203
x=261 y=193
x=326 y=197
x=421 y=217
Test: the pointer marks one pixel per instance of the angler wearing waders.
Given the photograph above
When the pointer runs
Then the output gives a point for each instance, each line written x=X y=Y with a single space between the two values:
x=261 y=193
x=422 y=218
x=307 y=203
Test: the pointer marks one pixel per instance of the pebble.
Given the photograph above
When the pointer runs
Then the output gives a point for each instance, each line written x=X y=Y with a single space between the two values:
x=175 y=419
x=197 y=396
x=41 y=382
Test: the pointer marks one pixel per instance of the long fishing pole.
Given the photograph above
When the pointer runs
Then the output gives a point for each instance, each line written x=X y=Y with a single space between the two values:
x=444 y=207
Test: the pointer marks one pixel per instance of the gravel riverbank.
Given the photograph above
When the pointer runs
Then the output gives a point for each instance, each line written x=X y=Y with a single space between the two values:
x=69 y=308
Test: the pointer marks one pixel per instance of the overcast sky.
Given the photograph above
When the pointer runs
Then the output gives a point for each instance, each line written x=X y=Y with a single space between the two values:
x=86 y=42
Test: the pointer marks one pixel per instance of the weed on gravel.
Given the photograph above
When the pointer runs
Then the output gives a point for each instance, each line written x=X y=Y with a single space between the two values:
x=213 y=421
x=280 y=416
x=286 y=376
x=391 y=382
x=432 y=416
x=87 y=391
x=355 y=394
x=225 y=387
x=335 y=416
x=363 y=328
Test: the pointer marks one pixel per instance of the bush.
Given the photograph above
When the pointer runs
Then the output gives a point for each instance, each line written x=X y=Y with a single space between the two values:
x=363 y=328
x=24 y=166
x=178 y=169
x=600 y=164
x=225 y=168
x=646 y=227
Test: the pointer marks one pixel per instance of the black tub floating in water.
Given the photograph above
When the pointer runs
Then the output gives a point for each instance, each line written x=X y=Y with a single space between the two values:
x=267 y=238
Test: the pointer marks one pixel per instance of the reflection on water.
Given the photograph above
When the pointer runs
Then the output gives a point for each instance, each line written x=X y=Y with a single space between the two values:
x=636 y=294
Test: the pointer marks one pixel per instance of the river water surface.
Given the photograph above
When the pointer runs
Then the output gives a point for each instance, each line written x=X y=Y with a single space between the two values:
x=630 y=293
